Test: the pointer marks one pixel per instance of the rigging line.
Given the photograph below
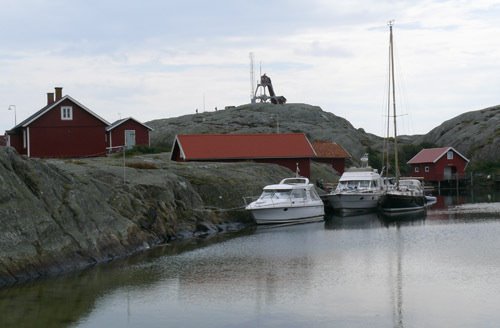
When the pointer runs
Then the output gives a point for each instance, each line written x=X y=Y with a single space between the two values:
x=406 y=125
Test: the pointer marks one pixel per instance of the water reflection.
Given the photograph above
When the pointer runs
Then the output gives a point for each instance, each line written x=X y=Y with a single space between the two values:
x=356 y=271
x=396 y=284
x=361 y=221
x=374 y=220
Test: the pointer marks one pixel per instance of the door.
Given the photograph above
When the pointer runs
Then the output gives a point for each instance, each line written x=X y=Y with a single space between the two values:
x=447 y=173
x=129 y=139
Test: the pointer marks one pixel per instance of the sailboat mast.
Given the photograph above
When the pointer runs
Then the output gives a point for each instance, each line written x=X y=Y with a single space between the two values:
x=396 y=160
x=385 y=153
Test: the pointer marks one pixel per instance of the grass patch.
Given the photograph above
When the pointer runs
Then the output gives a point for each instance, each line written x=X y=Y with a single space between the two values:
x=76 y=162
x=141 y=150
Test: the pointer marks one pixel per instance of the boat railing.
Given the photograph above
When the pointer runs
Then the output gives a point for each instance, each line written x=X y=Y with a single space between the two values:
x=249 y=199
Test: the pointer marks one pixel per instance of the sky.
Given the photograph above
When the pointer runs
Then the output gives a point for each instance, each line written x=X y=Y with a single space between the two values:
x=154 y=59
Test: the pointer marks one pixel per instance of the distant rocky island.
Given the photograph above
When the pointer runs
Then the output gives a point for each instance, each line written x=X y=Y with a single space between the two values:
x=475 y=134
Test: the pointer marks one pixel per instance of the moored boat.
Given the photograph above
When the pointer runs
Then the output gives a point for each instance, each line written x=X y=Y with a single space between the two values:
x=293 y=200
x=359 y=190
x=406 y=195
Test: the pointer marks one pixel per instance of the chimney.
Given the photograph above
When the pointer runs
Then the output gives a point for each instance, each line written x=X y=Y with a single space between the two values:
x=50 y=98
x=58 y=93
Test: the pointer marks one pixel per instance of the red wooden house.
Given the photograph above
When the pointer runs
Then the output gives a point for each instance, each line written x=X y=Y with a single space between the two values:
x=63 y=128
x=331 y=153
x=290 y=150
x=127 y=132
x=438 y=164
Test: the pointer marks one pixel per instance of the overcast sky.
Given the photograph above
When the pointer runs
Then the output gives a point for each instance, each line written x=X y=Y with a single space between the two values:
x=153 y=59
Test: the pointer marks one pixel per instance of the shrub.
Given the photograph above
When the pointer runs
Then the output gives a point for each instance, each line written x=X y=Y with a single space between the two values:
x=142 y=165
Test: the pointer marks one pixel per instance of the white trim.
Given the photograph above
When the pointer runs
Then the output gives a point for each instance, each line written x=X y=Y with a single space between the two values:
x=67 y=113
x=59 y=102
x=120 y=122
x=427 y=169
x=25 y=138
x=417 y=169
x=181 y=151
x=446 y=151
x=8 y=140
x=110 y=140
x=125 y=138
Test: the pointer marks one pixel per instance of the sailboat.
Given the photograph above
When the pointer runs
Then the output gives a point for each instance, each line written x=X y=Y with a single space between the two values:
x=406 y=196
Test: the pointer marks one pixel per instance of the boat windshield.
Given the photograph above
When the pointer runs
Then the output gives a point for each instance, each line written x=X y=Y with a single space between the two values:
x=410 y=184
x=276 y=194
x=355 y=185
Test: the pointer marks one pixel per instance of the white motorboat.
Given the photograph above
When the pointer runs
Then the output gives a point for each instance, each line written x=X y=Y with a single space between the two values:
x=359 y=190
x=293 y=200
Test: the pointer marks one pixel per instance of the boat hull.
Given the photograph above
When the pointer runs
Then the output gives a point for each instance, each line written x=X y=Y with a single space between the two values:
x=402 y=203
x=353 y=202
x=277 y=215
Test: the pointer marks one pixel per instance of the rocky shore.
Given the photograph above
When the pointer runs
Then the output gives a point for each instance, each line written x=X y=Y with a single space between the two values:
x=64 y=215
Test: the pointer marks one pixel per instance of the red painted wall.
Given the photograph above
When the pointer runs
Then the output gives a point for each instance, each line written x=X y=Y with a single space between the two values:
x=16 y=141
x=83 y=136
x=85 y=141
x=291 y=163
x=338 y=164
x=118 y=134
x=436 y=170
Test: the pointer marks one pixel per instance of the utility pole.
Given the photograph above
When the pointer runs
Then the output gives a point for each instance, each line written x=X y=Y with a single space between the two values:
x=13 y=107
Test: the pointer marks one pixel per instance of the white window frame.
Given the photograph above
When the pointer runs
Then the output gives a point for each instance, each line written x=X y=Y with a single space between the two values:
x=66 y=113
x=449 y=154
x=426 y=169
x=417 y=169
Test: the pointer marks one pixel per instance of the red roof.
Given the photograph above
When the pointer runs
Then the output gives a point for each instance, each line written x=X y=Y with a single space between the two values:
x=327 y=149
x=432 y=155
x=243 y=146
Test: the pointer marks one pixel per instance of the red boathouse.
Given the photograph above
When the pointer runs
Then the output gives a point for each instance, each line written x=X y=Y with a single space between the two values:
x=288 y=149
x=331 y=153
x=127 y=132
x=438 y=164
x=63 y=128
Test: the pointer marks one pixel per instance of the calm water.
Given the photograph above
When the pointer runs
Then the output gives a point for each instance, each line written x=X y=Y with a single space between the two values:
x=441 y=271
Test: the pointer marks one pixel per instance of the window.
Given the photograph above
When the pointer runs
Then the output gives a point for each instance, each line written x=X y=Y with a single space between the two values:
x=417 y=169
x=449 y=155
x=426 y=169
x=66 y=113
